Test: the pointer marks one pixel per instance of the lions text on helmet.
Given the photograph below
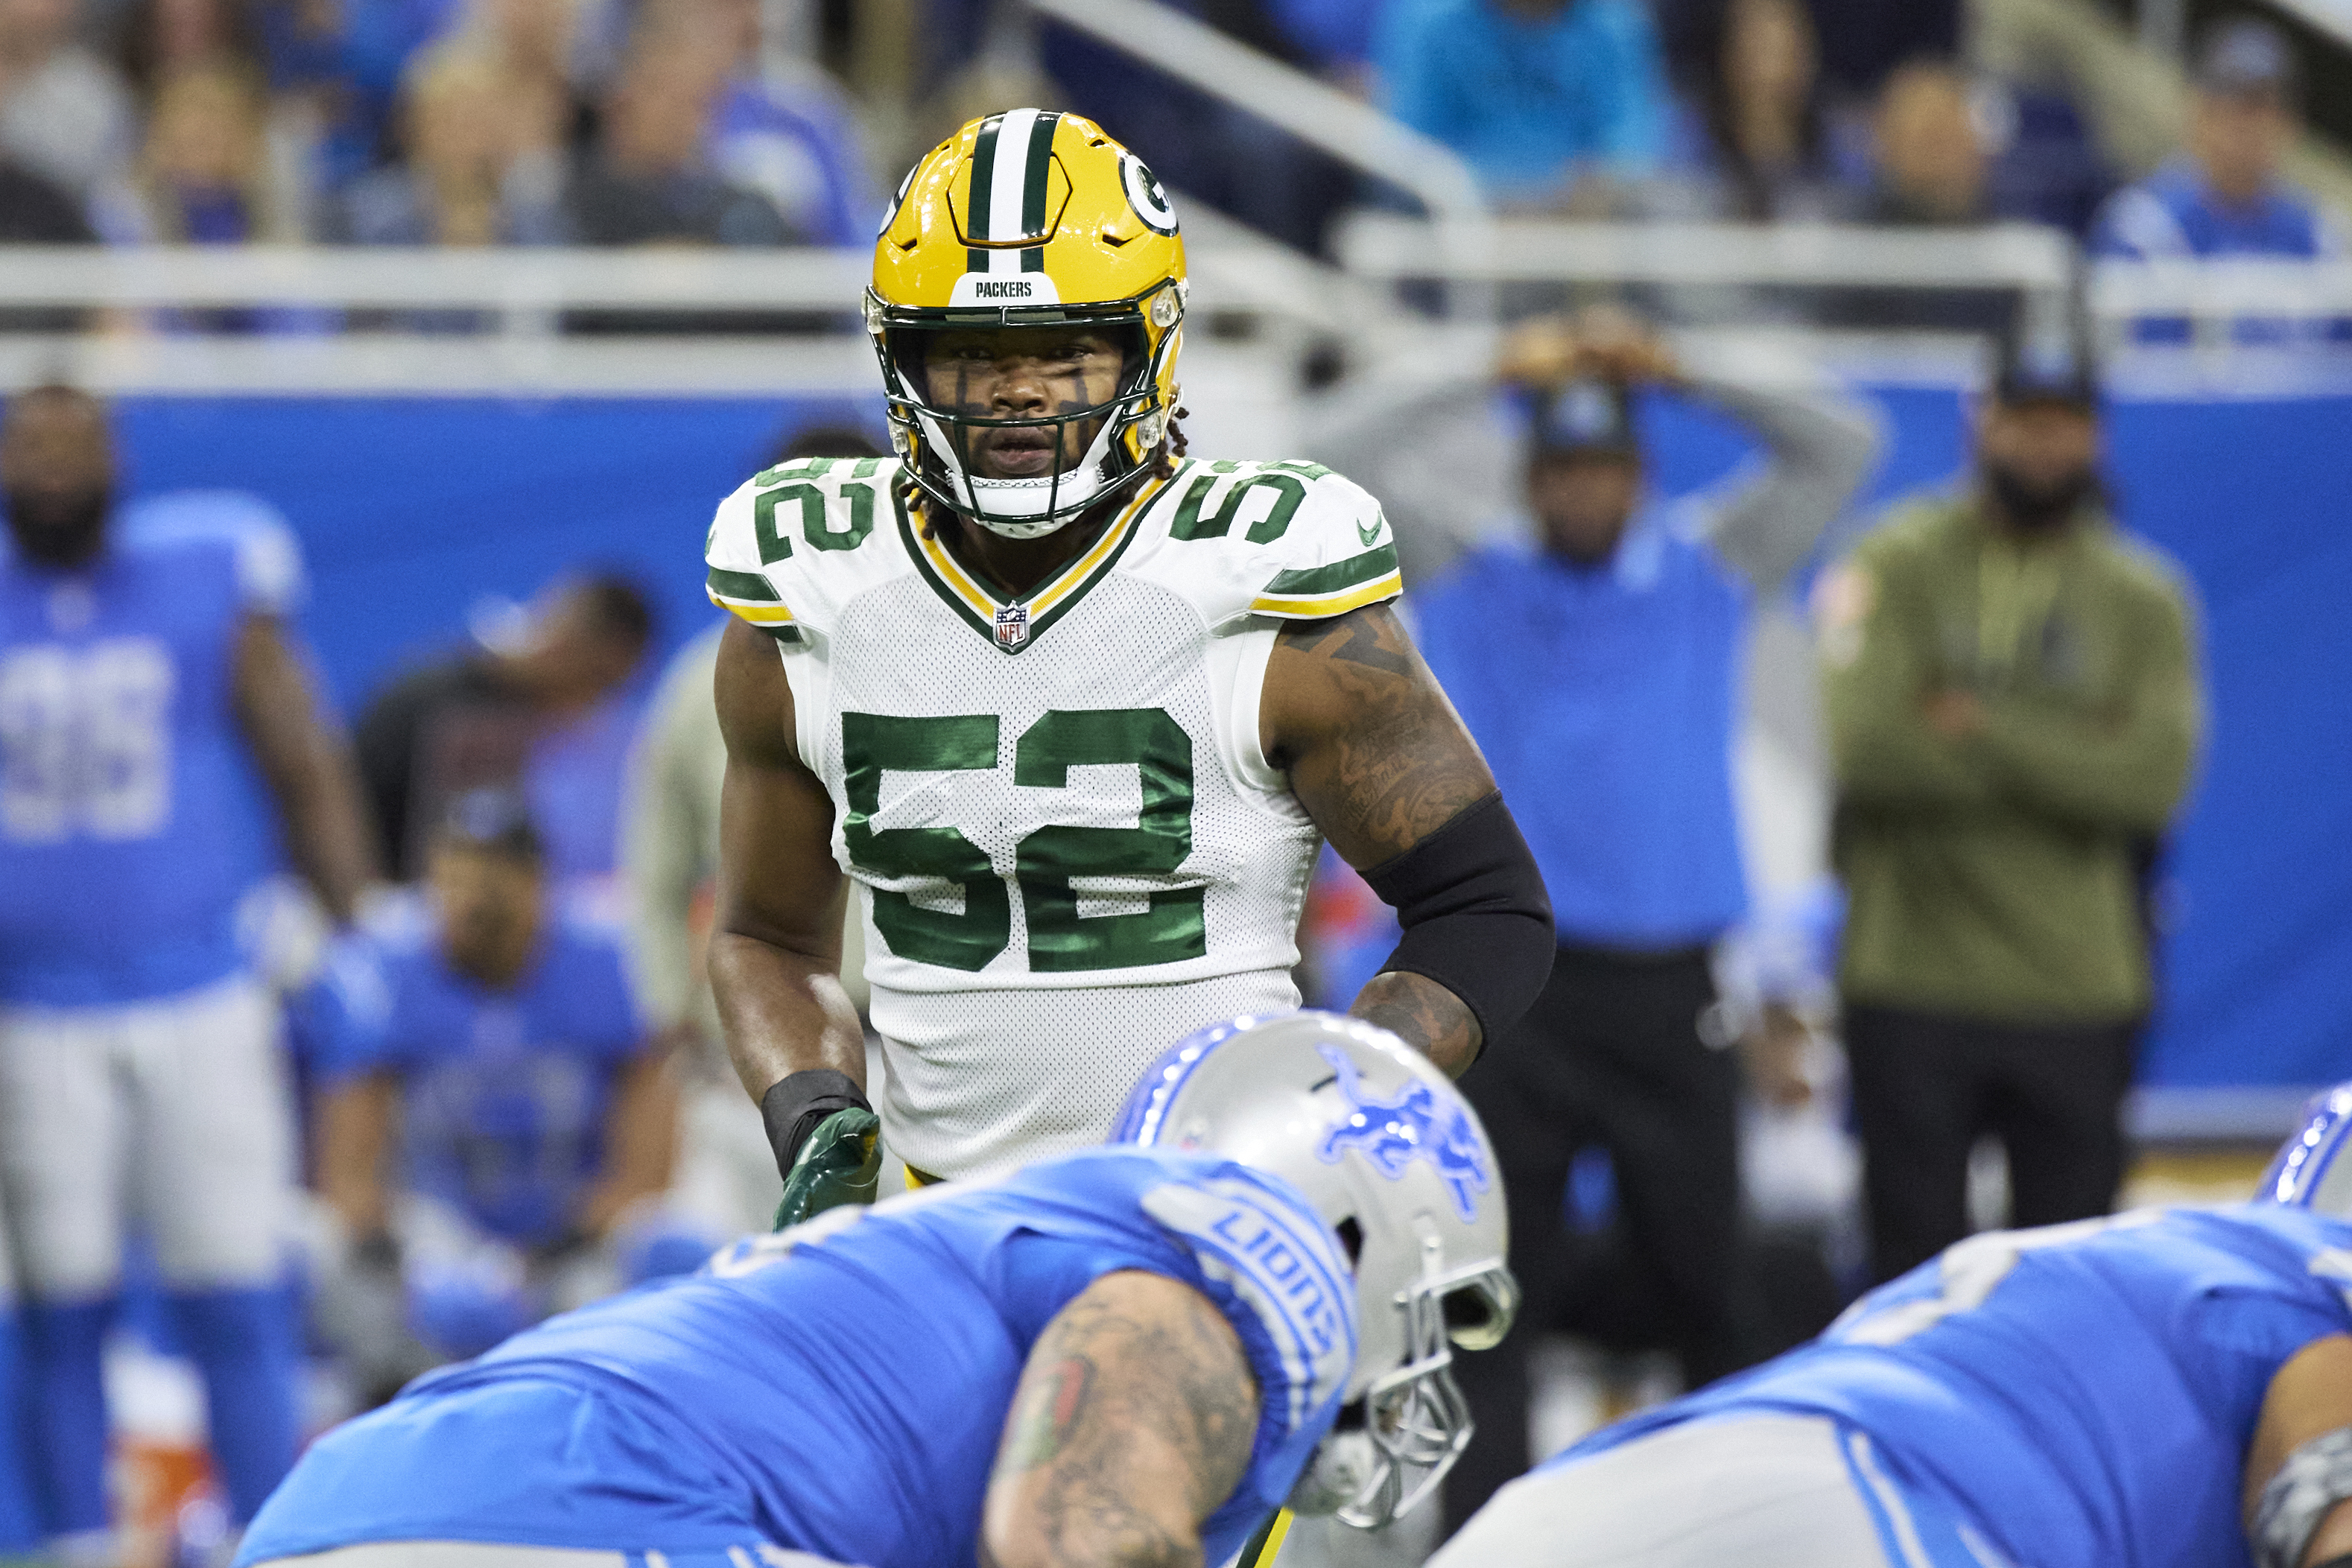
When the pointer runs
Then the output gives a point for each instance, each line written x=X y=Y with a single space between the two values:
x=1027 y=308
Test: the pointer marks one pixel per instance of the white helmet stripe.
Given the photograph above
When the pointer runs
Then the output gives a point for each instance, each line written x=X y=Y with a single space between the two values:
x=1005 y=181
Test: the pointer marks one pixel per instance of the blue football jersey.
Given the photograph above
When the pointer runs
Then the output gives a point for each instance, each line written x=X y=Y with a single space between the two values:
x=126 y=793
x=2082 y=1393
x=840 y=1388
x=504 y=1094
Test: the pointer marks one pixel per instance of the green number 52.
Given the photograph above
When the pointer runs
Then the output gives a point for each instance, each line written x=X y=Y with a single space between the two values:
x=1061 y=940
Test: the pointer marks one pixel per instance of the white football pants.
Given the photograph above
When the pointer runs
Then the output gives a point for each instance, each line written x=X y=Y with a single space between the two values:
x=1761 y=1491
x=174 y=1112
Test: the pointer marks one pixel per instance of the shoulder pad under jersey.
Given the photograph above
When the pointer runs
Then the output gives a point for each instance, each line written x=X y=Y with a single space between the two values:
x=1303 y=542
x=787 y=548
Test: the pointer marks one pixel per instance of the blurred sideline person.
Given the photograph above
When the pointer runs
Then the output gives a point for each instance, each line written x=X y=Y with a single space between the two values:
x=20 y=1519
x=1069 y=710
x=1598 y=667
x=2170 y=1388
x=507 y=716
x=491 y=1114
x=1121 y=1354
x=140 y=679
x=669 y=855
x=2013 y=703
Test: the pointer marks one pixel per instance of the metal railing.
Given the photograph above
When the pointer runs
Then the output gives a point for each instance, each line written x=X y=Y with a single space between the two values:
x=1385 y=246
x=1316 y=113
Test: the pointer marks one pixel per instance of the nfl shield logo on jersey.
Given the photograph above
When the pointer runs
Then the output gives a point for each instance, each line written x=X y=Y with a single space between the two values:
x=1012 y=625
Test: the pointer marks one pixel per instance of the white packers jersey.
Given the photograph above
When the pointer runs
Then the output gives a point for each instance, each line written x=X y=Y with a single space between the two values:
x=1069 y=848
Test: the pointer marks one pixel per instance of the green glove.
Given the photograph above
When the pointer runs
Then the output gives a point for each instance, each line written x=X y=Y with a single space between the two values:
x=841 y=1163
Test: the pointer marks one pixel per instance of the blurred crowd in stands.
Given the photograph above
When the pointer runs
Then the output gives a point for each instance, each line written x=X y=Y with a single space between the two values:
x=460 y=122
x=617 y=122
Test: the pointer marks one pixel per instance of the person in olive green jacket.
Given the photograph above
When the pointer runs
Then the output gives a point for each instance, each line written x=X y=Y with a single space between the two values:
x=2013 y=702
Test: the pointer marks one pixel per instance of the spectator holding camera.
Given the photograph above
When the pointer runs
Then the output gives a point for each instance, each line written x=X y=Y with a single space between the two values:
x=1596 y=666
x=2013 y=702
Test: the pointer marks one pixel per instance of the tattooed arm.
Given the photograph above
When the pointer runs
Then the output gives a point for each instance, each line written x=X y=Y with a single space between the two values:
x=1381 y=761
x=1133 y=1423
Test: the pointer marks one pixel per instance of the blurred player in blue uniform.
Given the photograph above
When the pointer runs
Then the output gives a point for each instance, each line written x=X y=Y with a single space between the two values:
x=1133 y=1353
x=2169 y=1388
x=20 y=1522
x=496 y=1033
x=148 y=688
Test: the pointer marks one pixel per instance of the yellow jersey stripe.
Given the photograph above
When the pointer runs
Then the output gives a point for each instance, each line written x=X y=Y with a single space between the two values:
x=1387 y=587
x=954 y=576
x=984 y=604
x=1267 y=1545
x=757 y=614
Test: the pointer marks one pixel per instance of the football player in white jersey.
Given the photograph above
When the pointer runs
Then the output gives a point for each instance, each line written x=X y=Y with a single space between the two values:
x=1071 y=710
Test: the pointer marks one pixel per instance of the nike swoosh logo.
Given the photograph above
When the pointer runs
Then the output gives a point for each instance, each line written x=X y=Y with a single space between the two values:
x=1372 y=534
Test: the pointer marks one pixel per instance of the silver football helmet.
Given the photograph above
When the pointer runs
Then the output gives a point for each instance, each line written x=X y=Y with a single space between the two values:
x=1393 y=1157
x=2308 y=1171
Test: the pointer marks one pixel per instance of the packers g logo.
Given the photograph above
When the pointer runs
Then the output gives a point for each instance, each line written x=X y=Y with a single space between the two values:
x=1144 y=194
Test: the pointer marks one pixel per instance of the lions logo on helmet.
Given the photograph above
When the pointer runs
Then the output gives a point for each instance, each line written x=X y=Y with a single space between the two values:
x=1411 y=1126
x=1030 y=219
x=1388 y=1152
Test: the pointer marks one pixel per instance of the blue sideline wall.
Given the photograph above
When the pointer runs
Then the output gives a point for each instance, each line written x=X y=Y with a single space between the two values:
x=411 y=510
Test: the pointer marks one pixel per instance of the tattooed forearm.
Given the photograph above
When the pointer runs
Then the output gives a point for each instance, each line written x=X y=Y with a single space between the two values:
x=1374 y=751
x=1133 y=1423
x=1424 y=1015
x=1045 y=1414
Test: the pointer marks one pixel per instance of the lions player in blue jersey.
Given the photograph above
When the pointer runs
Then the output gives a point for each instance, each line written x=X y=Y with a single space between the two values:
x=2169 y=1388
x=147 y=687
x=1127 y=1355
x=486 y=1043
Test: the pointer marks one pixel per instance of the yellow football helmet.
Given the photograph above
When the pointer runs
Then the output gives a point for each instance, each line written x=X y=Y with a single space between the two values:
x=1030 y=219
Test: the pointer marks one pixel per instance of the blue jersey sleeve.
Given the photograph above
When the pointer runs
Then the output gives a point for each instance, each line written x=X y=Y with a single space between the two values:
x=1269 y=1264
x=269 y=572
x=343 y=1022
x=1272 y=1268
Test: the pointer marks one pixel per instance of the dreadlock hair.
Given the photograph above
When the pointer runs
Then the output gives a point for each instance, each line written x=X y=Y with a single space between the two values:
x=1174 y=449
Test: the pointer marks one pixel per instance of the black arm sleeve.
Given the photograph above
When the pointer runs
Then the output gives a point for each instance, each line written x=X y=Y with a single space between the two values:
x=1477 y=918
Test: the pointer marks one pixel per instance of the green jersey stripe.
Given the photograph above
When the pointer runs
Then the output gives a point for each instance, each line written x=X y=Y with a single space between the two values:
x=748 y=587
x=1340 y=574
